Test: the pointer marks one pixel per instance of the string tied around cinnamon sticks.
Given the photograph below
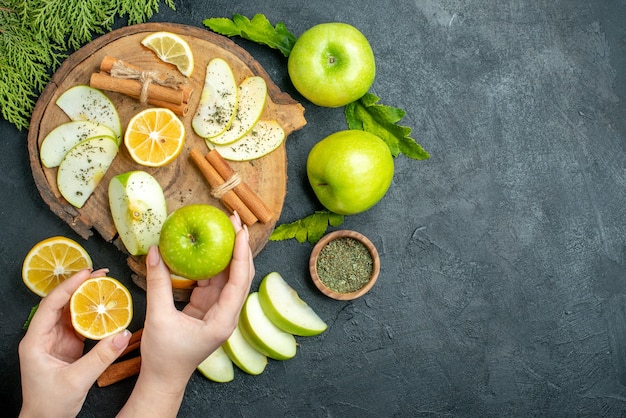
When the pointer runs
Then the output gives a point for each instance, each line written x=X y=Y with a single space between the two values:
x=145 y=77
x=219 y=191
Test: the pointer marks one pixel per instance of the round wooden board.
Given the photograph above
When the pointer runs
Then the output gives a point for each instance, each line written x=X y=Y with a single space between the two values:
x=181 y=181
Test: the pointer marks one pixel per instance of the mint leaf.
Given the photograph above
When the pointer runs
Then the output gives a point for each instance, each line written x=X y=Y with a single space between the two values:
x=311 y=228
x=366 y=115
x=258 y=30
x=30 y=317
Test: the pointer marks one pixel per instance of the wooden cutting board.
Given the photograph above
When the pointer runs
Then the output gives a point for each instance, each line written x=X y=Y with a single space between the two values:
x=181 y=181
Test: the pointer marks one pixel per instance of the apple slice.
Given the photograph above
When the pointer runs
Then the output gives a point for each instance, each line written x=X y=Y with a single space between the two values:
x=218 y=102
x=62 y=138
x=83 y=102
x=218 y=367
x=246 y=357
x=251 y=96
x=83 y=167
x=264 y=138
x=138 y=208
x=282 y=305
x=262 y=334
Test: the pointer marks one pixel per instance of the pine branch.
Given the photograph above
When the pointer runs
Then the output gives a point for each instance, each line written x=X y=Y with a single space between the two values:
x=36 y=34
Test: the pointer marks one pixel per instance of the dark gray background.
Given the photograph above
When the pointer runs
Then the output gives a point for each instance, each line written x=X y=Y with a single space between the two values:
x=502 y=289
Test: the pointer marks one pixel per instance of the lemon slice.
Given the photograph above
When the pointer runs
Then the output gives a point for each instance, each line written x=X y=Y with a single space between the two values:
x=101 y=306
x=172 y=49
x=154 y=137
x=51 y=261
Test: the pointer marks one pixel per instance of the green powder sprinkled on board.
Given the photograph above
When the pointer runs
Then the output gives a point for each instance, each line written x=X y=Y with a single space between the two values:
x=344 y=265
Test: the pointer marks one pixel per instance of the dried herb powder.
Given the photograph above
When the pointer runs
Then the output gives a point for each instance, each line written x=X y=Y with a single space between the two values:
x=344 y=265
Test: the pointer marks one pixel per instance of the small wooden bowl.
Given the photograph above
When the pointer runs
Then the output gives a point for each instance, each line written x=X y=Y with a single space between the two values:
x=315 y=255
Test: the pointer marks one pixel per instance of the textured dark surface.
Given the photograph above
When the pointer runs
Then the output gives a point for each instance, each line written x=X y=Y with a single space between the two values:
x=502 y=289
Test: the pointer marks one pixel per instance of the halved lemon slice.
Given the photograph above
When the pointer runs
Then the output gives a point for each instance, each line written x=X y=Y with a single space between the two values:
x=154 y=137
x=51 y=261
x=171 y=48
x=101 y=306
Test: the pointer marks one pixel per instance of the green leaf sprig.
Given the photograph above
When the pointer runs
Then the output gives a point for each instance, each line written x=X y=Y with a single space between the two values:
x=310 y=228
x=258 y=29
x=36 y=36
x=365 y=114
x=30 y=317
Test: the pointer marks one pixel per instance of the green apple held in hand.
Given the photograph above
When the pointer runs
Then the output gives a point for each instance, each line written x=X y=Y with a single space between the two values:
x=197 y=241
x=350 y=171
x=332 y=64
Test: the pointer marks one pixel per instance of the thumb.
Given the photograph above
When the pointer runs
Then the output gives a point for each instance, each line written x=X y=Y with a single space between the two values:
x=91 y=365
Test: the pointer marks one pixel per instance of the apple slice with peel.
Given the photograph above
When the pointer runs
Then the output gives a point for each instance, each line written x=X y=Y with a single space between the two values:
x=251 y=96
x=62 y=138
x=138 y=208
x=83 y=102
x=264 y=138
x=246 y=357
x=282 y=305
x=218 y=101
x=83 y=167
x=261 y=332
x=218 y=367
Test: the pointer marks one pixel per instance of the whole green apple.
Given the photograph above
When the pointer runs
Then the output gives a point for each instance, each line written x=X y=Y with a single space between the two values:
x=332 y=64
x=197 y=241
x=350 y=171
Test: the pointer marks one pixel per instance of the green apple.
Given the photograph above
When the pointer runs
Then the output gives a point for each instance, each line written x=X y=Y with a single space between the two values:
x=83 y=167
x=246 y=357
x=261 y=332
x=350 y=171
x=138 y=209
x=62 y=138
x=218 y=101
x=284 y=307
x=83 y=102
x=265 y=137
x=218 y=367
x=197 y=241
x=332 y=64
x=251 y=97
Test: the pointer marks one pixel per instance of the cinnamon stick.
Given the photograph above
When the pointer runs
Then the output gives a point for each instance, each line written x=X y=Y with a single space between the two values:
x=230 y=198
x=245 y=193
x=157 y=95
x=133 y=343
x=119 y=371
x=107 y=63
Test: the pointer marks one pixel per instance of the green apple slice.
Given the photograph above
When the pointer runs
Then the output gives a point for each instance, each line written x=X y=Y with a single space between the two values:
x=218 y=101
x=264 y=138
x=62 y=138
x=138 y=208
x=83 y=167
x=251 y=96
x=262 y=334
x=218 y=367
x=246 y=357
x=282 y=305
x=83 y=102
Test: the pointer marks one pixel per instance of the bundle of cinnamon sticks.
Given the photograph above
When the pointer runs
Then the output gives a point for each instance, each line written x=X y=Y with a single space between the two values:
x=161 y=90
x=235 y=195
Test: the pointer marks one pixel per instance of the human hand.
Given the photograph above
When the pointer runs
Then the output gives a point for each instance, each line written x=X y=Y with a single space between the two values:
x=55 y=378
x=174 y=342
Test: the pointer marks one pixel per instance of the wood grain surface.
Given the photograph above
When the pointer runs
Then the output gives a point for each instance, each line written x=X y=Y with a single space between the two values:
x=181 y=181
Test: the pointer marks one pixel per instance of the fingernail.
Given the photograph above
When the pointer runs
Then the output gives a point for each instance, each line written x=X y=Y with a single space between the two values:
x=153 y=256
x=120 y=341
x=245 y=228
